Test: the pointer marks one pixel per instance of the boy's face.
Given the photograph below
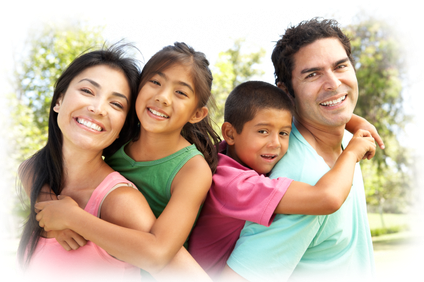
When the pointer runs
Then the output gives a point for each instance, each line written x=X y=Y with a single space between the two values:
x=263 y=140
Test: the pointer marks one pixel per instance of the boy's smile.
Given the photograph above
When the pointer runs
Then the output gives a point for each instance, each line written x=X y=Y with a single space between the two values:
x=263 y=141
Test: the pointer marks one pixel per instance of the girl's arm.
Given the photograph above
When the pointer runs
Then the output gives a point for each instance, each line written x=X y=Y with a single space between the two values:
x=357 y=122
x=330 y=192
x=150 y=251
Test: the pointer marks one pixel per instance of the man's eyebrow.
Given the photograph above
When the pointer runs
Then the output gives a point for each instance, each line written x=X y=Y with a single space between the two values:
x=99 y=86
x=341 y=61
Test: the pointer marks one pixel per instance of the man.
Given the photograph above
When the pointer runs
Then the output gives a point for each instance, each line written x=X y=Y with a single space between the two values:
x=313 y=63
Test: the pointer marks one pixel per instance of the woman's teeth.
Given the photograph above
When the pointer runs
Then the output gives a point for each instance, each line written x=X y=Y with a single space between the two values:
x=89 y=124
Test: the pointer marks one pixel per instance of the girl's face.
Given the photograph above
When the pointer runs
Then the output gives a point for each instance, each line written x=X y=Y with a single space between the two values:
x=168 y=101
x=93 y=110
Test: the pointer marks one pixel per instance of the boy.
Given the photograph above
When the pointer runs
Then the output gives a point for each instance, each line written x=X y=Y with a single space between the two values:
x=258 y=122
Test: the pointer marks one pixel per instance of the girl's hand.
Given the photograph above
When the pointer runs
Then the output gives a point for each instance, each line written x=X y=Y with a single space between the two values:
x=53 y=215
x=68 y=239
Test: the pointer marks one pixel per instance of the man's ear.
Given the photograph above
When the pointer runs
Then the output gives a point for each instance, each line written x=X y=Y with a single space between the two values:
x=199 y=115
x=56 y=107
x=228 y=132
x=282 y=86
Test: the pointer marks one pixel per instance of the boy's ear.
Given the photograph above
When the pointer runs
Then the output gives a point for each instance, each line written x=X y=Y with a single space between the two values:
x=199 y=115
x=282 y=86
x=56 y=107
x=228 y=132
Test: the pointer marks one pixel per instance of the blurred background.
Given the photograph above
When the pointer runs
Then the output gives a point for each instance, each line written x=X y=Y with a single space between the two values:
x=39 y=39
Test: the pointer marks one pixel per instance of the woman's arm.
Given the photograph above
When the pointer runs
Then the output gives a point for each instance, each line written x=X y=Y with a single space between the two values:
x=150 y=251
x=330 y=192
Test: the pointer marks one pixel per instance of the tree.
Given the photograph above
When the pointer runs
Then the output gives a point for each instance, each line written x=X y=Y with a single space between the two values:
x=379 y=66
x=51 y=42
x=232 y=68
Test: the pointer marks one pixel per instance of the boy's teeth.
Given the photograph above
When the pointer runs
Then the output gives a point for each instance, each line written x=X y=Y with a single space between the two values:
x=334 y=102
x=156 y=113
x=89 y=124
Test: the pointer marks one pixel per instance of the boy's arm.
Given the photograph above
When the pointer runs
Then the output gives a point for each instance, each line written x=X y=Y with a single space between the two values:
x=330 y=192
x=357 y=122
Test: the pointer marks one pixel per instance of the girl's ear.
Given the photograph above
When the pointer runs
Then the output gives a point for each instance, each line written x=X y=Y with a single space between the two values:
x=199 y=115
x=228 y=131
x=56 y=107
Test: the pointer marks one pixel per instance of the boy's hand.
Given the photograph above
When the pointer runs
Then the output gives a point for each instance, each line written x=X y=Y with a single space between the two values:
x=362 y=145
x=53 y=215
x=358 y=123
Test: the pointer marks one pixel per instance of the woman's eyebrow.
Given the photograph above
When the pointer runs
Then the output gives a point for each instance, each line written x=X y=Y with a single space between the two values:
x=99 y=86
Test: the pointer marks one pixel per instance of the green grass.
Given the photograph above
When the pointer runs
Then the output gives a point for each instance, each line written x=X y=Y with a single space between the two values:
x=394 y=223
x=395 y=252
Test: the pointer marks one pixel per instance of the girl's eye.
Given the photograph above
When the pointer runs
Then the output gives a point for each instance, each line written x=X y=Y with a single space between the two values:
x=155 y=82
x=182 y=93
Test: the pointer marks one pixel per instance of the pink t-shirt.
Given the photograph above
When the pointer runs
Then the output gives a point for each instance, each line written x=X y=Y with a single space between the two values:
x=237 y=194
x=90 y=262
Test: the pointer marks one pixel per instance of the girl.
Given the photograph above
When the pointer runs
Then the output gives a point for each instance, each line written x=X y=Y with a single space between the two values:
x=93 y=100
x=165 y=161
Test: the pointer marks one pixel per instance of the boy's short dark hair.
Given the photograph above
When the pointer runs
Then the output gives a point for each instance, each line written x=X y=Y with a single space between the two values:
x=246 y=99
x=299 y=36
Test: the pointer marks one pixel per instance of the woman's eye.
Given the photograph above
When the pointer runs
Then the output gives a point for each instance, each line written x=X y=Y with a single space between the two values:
x=118 y=105
x=85 y=90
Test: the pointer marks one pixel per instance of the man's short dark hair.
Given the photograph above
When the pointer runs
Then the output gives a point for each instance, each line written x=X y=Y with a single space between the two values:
x=299 y=36
x=246 y=99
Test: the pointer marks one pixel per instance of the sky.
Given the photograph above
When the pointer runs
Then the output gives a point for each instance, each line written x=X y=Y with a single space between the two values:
x=212 y=26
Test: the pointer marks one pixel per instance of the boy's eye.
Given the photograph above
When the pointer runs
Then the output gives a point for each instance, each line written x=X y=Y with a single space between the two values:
x=262 y=131
x=284 y=133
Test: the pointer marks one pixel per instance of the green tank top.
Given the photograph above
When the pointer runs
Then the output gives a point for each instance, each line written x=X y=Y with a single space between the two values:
x=153 y=178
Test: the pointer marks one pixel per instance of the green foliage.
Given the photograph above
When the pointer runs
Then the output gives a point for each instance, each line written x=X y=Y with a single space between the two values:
x=232 y=68
x=380 y=69
x=51 y=42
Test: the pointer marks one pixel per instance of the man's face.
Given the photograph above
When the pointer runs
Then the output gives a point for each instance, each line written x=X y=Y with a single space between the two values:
x=324 y=83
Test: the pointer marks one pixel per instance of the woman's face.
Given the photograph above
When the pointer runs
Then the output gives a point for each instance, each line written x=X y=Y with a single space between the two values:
x=92 y=111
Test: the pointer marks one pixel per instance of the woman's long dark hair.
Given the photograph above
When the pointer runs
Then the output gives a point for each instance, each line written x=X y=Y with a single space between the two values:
x=202 y=133
x=46 y=166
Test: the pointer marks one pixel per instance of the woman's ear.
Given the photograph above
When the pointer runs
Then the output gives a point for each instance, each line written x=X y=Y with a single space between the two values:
x=56 y=107
x=228 y=132
x=199 y=115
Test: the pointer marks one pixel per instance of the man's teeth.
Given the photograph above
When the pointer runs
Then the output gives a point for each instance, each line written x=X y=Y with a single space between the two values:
x=89 y=124
x=334 y=102
x=157 y=113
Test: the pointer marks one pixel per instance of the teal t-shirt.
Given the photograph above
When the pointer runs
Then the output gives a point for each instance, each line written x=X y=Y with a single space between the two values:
x=153 y=178
x=303 y=247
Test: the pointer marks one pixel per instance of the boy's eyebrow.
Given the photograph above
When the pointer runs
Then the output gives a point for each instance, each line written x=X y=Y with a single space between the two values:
x=314 y=69
x=266 y=124
x=99 y=86
x=182 y=83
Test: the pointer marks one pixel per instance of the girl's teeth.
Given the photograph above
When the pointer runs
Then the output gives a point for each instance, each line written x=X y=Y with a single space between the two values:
x=89 y=124
x=334 y=102
x=156 y=113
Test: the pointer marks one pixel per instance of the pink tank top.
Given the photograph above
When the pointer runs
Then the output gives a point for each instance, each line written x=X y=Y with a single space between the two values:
x=88 y=262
